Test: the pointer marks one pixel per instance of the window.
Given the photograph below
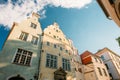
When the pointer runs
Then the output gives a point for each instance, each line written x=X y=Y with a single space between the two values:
x=96 y=60
x=54 y=36
x=99 y=70
x=111 y=75
x=117 y=66
x=48 y=43
x=23 y=36
x=61 y=48
x=66 y=64
x=60 y=39
x=51 y=61
x=111 y=1
x=102 y=57
x=56 y=30
x=34 y=40
x=80 y=70
x=33 y=25
x=55 y=46
x=66 y=51
x=100 y=61
x=106 y=66
x=104 y=72
x=23 y=57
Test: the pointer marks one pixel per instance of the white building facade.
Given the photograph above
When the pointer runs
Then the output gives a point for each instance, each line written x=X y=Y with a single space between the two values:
x=112 y=62
x=57 y=56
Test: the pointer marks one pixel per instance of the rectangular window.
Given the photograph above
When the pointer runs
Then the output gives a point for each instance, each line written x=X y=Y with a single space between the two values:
x=48 y=43
x=102 y=57
x=61 y=48
x=111 y=75
x=54 y=36
x=23 y=36
x=23 y=57
x=80 y=70
x=66 y=64
x=100 y=61
x=66 y=51
x=106 y=66
x=55 y=46
x=51 y=61
x=34 y=40
x=104 y=72
x=33 y=25
x=99 y=70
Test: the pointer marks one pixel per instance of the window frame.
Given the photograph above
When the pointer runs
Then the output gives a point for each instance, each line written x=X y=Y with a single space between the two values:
x=105 y=73
x=99 y=70
x=33 y=25
x=52 y=61
x=34 y=40
x=23 y=36
x=27 y=55
x=66 y=64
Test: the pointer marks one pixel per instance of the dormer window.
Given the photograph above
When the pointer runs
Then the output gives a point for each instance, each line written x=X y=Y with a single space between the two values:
x=33 y=25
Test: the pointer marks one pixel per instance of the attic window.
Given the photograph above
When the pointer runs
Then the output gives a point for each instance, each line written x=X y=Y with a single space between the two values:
x=33 y=25
x=57 y=31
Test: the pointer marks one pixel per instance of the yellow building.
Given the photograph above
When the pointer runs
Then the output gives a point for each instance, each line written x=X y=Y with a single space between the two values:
x=56 y=56
x=19 y=58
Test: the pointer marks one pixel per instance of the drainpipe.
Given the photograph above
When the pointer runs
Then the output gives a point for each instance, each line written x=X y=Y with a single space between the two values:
x=40 y=49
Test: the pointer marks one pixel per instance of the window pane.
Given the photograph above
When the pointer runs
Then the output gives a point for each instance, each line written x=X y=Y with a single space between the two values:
x=17 y=57
x=28 y=61
x=99 y=70
x=104 y=72
x=34 y=40
x=66 y=64
x=22 y=57
x=51 y=61
x=23 y=36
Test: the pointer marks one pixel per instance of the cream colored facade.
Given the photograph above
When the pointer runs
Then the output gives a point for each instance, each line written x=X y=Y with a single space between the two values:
x=89 y=73
x=30 y=54
x=94 y=68
x=79 y=67
x=55 y=44
x=19 y=57
x=112 y=62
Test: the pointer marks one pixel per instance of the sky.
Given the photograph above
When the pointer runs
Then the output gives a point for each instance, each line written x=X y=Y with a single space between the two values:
x=83 y=21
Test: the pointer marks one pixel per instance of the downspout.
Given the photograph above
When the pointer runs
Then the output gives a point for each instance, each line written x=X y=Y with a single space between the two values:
x=40 y=48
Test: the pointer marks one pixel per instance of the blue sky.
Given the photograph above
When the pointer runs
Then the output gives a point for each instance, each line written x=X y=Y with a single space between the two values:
x=87 y=26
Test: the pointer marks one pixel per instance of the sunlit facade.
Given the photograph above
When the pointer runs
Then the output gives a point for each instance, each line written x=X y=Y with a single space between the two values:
x=57 y=56
x=112 y=62
x=94 y=68
x=19 y=58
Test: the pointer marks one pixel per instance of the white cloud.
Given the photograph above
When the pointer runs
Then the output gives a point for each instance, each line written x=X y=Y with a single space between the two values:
x=16 y=12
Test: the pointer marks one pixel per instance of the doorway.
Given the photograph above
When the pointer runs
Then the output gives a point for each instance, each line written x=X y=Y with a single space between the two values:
x=18 y=77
